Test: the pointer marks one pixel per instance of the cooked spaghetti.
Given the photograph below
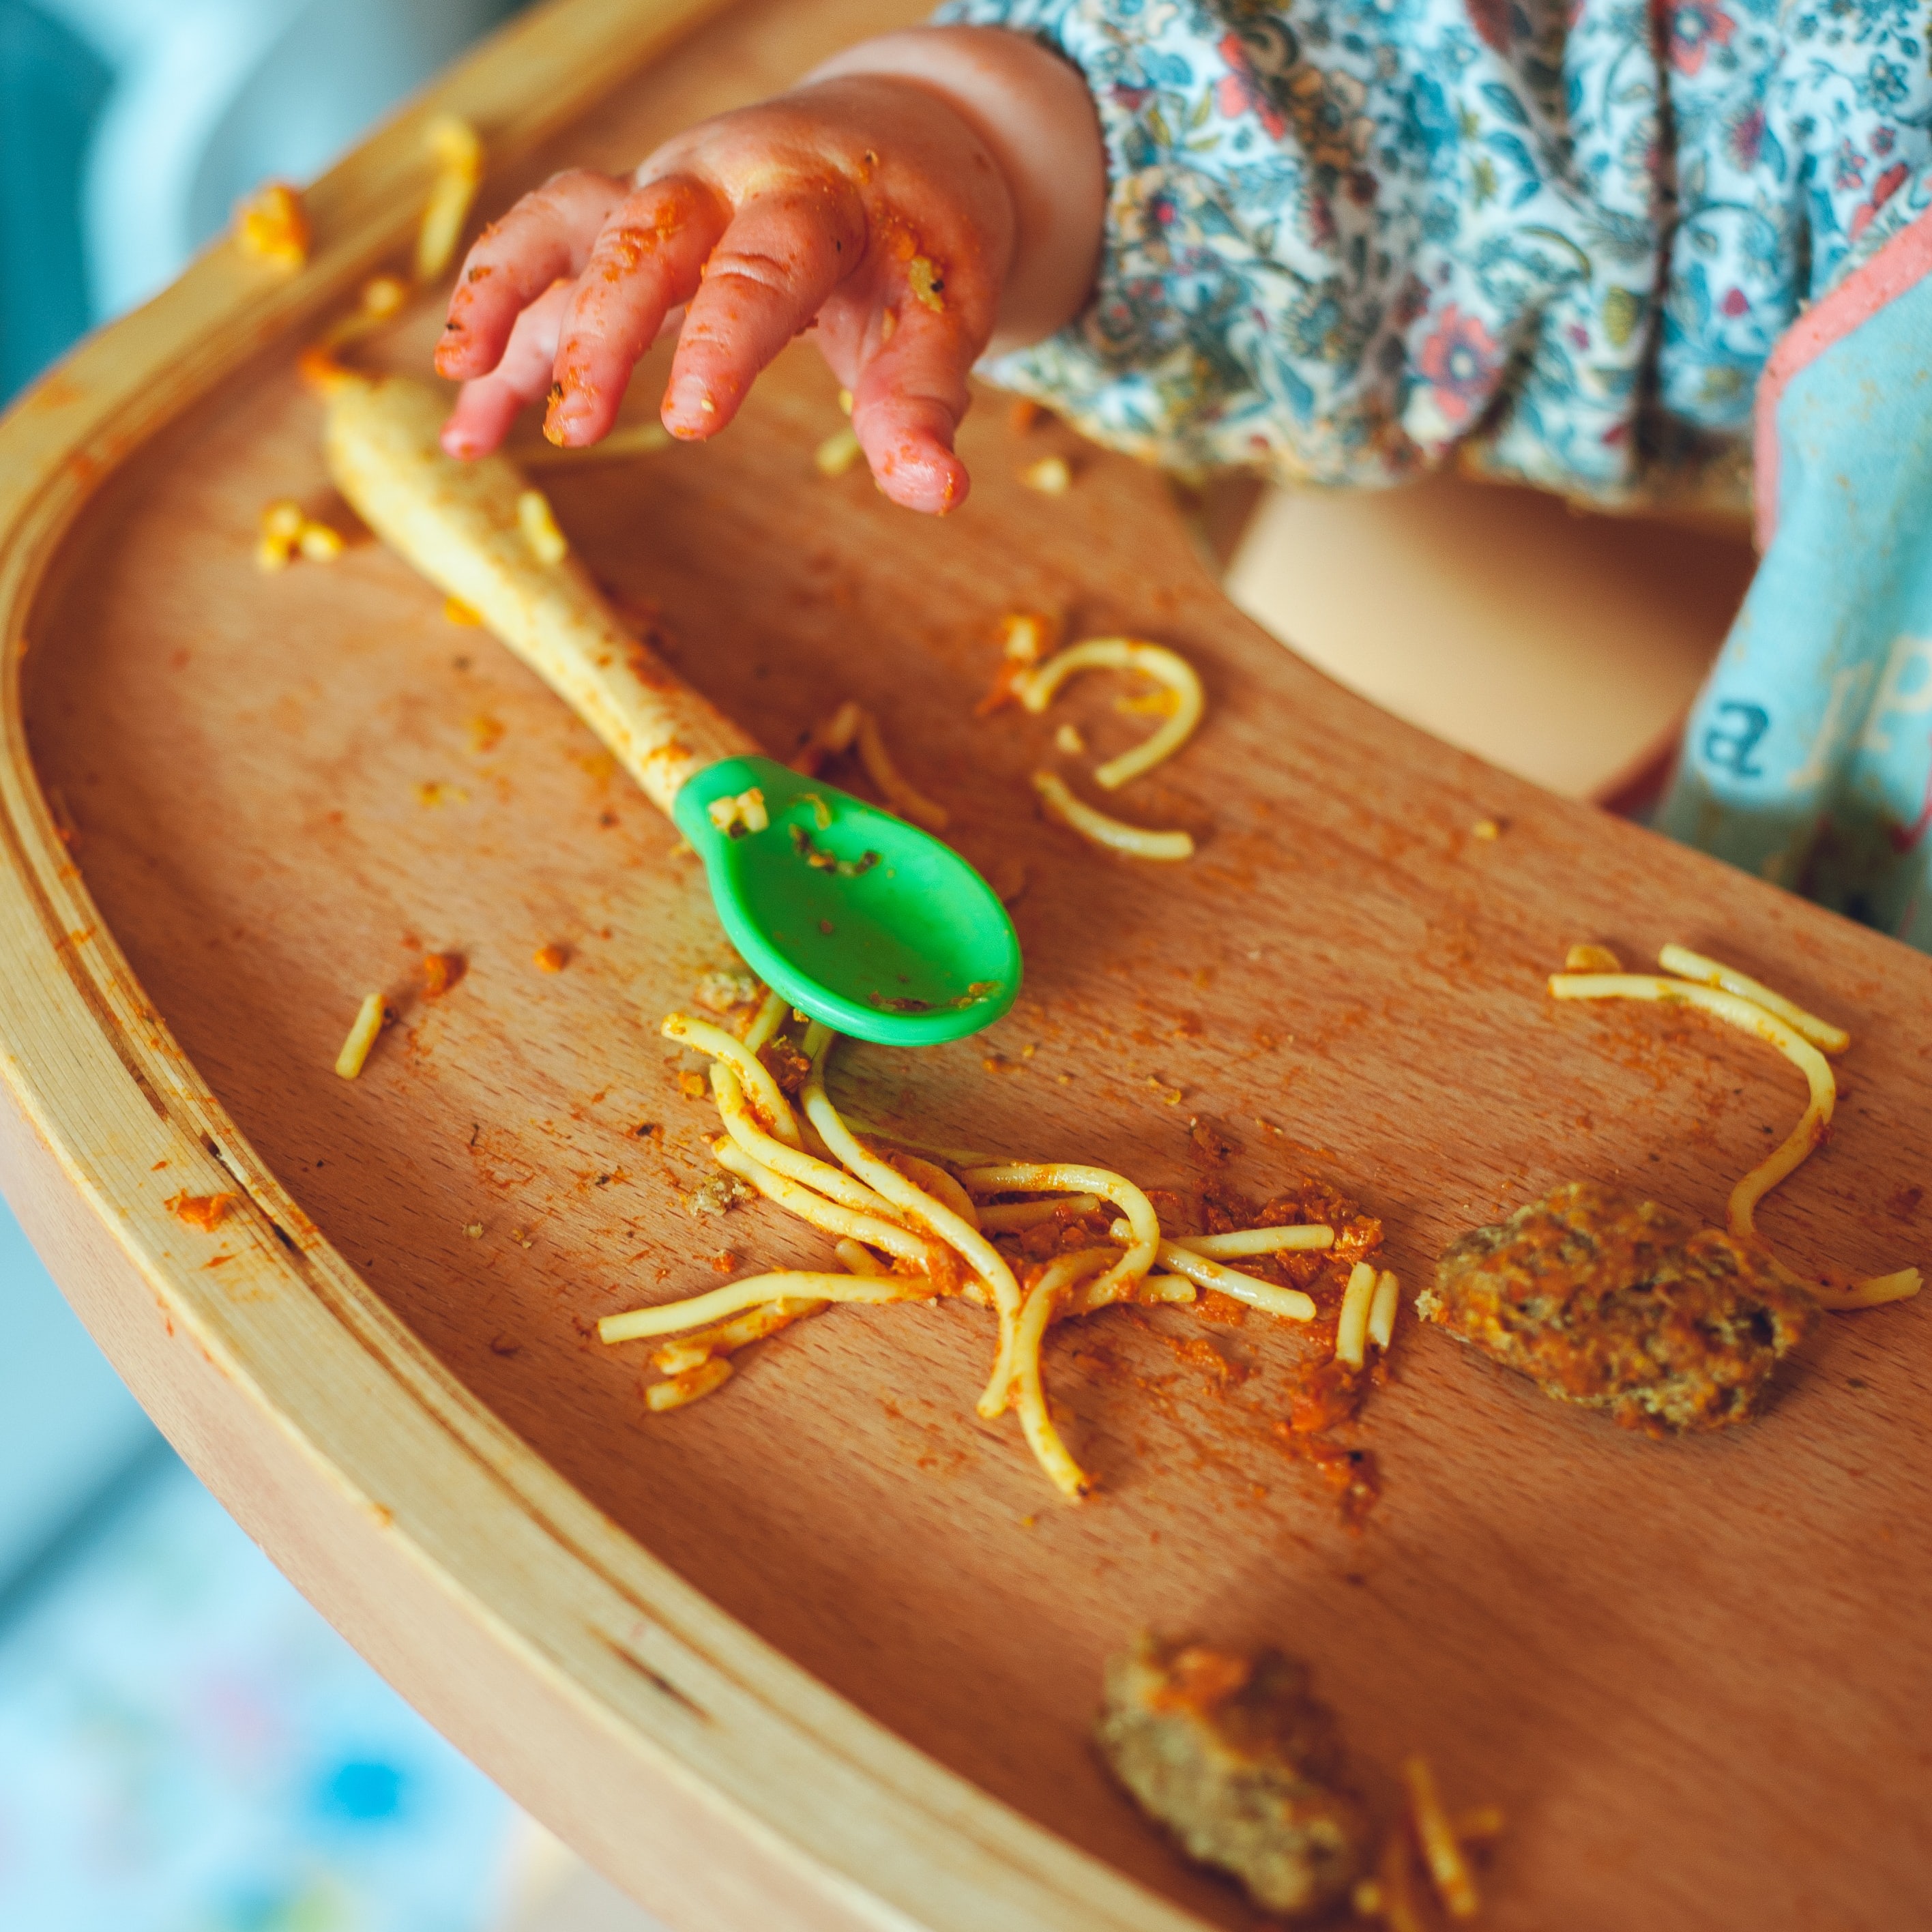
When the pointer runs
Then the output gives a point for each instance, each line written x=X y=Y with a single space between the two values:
x=1037 y=1243
x=457 y=151
x=1803 y=1038
x=1254 y=1241
x=369 y=1019
x=852 y=728
x=1426 y=1832
x=1689 y=965
x=1441 y=1852
x=1036 y=688
x=1136 y=841
x=899 y=792
x=1382 y=1311
x=380 y=300
x=1352 y=1332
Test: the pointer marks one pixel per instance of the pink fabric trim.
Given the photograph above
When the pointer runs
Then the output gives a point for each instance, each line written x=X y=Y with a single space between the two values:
x=1905 y=260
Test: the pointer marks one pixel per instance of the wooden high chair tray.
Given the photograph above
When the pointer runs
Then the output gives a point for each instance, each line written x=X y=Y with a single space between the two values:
x=822 y=1651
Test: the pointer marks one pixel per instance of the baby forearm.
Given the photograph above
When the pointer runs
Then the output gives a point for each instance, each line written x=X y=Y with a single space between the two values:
x=1032 y=111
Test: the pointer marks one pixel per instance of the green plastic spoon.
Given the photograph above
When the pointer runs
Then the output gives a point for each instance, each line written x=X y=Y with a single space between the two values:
x=859 y=918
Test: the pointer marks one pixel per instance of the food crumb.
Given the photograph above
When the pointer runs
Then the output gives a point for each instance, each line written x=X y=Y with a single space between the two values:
x=927 y=283
x=690 y=1084
x=838 y=453
x=205 y=1211
x=1068 y=739
x=737 y=816
x=1235 y=1756
x=718 y=1194
x=1052 y=476
x=550 y=959
x=441 y=971
x=475 y=1231
x=1026 y=636
x=1588 y=958
x=287 y=529
x=1487 y=829
x=280 y=531
x=271 y=224
x=719 y=990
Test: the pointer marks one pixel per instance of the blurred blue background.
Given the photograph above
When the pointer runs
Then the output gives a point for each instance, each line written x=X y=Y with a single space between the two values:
x=184 y=1745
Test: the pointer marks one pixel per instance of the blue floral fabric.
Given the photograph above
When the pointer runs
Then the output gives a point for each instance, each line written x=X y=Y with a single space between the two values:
x=1348 y=237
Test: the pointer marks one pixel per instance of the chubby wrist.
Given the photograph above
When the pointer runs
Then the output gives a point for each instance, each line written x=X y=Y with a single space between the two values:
x=1031 y=111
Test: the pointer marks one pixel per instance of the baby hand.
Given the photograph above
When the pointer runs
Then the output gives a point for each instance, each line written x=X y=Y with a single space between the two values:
x=923 y=191
x=859 y=203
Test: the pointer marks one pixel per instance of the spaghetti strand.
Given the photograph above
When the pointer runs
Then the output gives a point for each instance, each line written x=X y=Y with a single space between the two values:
x=698 y=1311
x=979 y=1255
x=1747 y=1016
x=752 y=1072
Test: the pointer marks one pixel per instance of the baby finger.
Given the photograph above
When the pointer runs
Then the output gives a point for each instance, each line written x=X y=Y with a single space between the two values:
x=487 y=405
x=907 y=403
x=783 y=255
x=548 y=234
x=648 y=258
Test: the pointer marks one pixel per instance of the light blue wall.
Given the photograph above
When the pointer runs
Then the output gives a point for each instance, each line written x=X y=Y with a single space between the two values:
x=53 y=86
x=68 y=1427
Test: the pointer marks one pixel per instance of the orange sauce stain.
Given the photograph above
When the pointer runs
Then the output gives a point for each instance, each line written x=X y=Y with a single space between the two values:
x=205 y=1211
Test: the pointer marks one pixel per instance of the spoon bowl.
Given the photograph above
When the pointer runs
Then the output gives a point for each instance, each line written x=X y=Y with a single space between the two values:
x=859 y=918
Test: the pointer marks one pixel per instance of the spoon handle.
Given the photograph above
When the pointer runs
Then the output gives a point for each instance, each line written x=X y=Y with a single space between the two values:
x=467 y=527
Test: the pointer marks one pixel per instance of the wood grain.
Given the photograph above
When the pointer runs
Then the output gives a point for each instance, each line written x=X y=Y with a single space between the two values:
x=822 y=1650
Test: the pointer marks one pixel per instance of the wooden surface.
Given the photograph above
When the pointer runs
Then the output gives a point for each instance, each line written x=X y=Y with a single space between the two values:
x=822 y=1651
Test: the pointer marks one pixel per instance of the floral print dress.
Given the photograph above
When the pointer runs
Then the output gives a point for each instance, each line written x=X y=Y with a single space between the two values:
x=1348 y=237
